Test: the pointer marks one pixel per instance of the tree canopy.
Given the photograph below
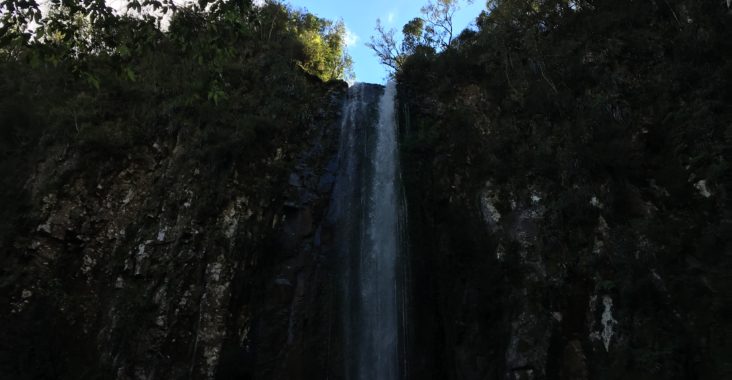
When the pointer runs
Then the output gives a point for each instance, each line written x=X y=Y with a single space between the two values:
x=91 y=27
x=83 y=73
x=434 y=31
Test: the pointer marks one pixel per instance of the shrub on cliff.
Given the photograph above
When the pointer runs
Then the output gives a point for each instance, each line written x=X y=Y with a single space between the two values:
x=89 y=68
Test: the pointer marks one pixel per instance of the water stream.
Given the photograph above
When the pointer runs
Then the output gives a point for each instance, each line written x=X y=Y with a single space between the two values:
x=368 y=214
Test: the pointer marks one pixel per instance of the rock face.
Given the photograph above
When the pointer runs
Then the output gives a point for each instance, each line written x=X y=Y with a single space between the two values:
x=524 y=278
x=157 y=266
x=569 y=203
x=534 y=261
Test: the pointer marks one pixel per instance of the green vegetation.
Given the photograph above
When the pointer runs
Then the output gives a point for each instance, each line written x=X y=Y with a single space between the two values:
x=608 y=109
x=434 y=31
x=231 y=77
x=101 y=76
x=603 y=83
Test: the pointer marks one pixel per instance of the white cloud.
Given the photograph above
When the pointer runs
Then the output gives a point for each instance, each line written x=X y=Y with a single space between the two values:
x=390 y=17
x=351 y=38
x=259 y=3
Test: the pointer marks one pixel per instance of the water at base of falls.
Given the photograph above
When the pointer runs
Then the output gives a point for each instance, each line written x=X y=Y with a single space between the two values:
x=368 y=217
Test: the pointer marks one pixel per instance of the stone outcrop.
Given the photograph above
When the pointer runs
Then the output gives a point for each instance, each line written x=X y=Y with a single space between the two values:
x=158 y=265
x=525 y=275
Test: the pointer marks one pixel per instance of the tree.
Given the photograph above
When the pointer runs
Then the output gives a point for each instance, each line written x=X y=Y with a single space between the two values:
x=414 y=34
x=385 y=47
x=433 y=30
x=438 y=15
x=325 y=47
x=15 y=17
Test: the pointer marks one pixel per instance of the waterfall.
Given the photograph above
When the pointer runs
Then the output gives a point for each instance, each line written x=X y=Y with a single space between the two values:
x=367 y=214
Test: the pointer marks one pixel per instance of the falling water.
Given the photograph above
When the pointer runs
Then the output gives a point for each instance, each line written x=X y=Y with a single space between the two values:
x=367 y=214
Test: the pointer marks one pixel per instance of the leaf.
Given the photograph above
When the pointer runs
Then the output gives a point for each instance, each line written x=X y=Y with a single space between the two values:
x=35 y=60
x=123 y=51
x=92 y=80
x=53 y=59
x=134 y=5
x=130 y=74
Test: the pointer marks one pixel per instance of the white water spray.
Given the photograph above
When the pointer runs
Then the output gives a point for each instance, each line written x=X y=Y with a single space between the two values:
x=368 y=222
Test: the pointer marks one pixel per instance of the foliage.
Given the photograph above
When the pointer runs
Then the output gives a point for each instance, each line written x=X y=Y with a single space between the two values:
x=438 y=14
x=386 y=47
x=625 y=102
x=97 y=67
x=232 y=77
x=433 y=31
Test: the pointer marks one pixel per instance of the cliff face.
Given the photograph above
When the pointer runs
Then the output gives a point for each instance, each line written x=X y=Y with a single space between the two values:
x=597 y=276
x=567 y=181
x=160 y=265
x=568 y=192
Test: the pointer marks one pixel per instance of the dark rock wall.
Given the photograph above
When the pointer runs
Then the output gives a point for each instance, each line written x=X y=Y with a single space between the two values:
x=507 y=284
x=570 y=218
x=529 y=278
x=160 y=266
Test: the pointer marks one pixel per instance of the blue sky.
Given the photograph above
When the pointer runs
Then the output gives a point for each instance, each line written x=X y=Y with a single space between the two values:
x=360 y=18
